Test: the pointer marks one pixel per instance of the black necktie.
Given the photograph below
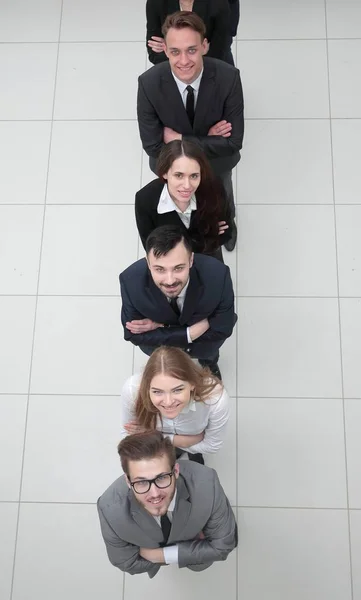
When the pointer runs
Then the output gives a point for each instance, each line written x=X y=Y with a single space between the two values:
x=166 y=527
x=174 y=305
x=190 y=104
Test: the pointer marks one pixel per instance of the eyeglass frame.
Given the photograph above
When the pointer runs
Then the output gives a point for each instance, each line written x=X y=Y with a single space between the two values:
x=151 y=481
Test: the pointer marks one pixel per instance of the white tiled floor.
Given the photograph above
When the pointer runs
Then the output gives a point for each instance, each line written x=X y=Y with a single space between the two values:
x=71 y=161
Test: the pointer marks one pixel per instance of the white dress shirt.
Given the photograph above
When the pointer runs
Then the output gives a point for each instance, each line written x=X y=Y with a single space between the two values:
x=170 y=552
x=166 y=204
x=210 y=416
x=182 y=87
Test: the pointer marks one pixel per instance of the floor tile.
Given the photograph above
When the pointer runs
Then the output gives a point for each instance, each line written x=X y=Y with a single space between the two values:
x=86 y=84
x=283 y=250
x=90 y=262
x=281 y=20
x=13 y=413
x=8 y=520
x=300 y=554
x=218 y=580
x=20 y=235
x=24 y=148
x=345 y=84
x=225 y=461
x=16 y=325
x=288 y=347
x=81 y=470
x=343 y=18
x=27 y=73
x=81 y=342
x=291 y=453
x=94 y=162
x=284 y=79
x=348 y=219
x=355 y=526
x=102 y=20
x=60 y=554
x=353 y=449
x=285 y=162
x=30 y=20
x=351 y=345
x=346 y=158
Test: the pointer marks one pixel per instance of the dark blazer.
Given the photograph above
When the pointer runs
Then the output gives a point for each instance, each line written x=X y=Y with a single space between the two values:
x=147 y=217
x=234 y=6
x=220 y=97
x=216 y=15
x=209 y=295
x=201 y=505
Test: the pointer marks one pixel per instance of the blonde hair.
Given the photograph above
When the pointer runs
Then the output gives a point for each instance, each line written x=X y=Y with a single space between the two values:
x=175 y=363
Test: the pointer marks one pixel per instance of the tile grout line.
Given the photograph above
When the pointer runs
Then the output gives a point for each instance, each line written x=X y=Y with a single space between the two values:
x=34 y=325
x=339 y=306
x=242 y=40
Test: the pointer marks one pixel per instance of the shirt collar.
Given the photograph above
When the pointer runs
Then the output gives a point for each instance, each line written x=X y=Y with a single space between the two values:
x=182 y=86
x=172 y=504
x=184 y=290
x=166 y=204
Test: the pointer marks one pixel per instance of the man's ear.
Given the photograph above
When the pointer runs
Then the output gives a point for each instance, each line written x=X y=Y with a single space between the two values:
x=205 y=46
x=191 y=260
x=176 y=470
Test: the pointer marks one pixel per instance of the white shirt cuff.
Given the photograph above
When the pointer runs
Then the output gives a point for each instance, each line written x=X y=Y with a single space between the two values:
x=189 y=336
x=170 y=555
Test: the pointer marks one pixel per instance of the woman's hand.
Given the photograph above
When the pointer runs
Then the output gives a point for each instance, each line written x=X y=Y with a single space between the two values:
x=133 y=427
x=222 y=227
x=157 y=44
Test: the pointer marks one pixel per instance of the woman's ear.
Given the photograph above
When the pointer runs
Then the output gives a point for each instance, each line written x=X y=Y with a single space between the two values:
x=165 y=176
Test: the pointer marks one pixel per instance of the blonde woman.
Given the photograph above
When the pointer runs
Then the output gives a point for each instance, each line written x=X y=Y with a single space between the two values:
x=180 y=398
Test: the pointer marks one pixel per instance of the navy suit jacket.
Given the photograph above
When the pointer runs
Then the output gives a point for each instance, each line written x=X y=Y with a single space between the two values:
x=209 y=295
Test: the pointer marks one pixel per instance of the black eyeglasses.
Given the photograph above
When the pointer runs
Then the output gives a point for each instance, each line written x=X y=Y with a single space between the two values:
x=161 y=481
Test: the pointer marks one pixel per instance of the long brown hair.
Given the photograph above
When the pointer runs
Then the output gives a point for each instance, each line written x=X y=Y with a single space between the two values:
x=175 y=363
x=210 y=194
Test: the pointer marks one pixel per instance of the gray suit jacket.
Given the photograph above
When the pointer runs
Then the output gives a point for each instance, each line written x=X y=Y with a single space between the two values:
x=201 y=505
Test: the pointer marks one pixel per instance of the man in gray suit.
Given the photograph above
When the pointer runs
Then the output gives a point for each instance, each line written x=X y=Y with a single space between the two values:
x=161 y=512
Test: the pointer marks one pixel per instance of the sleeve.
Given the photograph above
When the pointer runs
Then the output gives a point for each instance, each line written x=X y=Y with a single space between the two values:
x=170 y=555
x=121 y=554
x=222 y=321
x=150 y=126
x=220 y=534
x=154 y=27
x=234 y=6
x=143 y=217
x=226 y=216
x=221 y=36
x=127 y=404
x=162 y=336
x=215 y=145
x=215 y=431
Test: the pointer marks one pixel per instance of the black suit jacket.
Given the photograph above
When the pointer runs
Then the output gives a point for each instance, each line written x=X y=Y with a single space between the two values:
x=216 y=15
x=147 y=218
x=209 y=295
x=220 y=97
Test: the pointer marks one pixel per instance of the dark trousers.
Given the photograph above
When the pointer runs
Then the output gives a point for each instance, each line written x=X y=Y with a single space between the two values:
x=226 y=179
x=196 y=457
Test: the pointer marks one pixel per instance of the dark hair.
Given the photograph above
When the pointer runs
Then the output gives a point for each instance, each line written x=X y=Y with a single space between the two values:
x=166 y=237
x=210 y=193
x=174 y=363
x=140 y=446
x=182 y=19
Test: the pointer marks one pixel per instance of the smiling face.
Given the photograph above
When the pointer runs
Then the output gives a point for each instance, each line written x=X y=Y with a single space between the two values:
x=185 y=50
x=156 y=501
x=170 y=272
x=183 y=178
x=169 y=395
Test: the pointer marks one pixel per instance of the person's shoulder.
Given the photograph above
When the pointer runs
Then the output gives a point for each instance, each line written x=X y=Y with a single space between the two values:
x=209 y=266
x=195 y=474
x=135 y=270
x=115 y=496
x=154 y=73
x=151 y=189
x=217 y=396
x=219 y=67
x=132 y=384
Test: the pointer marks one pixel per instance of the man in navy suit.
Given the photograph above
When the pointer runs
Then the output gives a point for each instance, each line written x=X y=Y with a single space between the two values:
x=176 y=298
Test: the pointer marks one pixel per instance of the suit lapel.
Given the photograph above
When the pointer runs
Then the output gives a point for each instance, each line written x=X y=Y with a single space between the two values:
x=161 y=301
x=194 y=291
x=181 y=512
x=145 y=521
x=170 y=91
x=206 y=93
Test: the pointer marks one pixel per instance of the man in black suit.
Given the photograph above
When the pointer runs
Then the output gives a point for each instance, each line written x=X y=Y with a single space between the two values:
x=176 y=298
x=193 y=98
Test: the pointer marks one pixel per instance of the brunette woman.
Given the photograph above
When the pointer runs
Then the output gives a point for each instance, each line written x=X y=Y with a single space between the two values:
x=219 y=17
x=188 y=195
x=178 y=397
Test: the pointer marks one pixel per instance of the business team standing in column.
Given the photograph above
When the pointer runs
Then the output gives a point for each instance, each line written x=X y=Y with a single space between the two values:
x=178 y=301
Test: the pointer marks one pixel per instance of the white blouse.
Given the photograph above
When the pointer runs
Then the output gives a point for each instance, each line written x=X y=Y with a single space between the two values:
x=210 y=416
